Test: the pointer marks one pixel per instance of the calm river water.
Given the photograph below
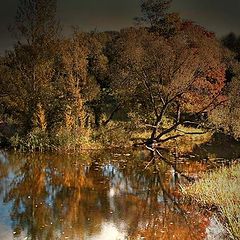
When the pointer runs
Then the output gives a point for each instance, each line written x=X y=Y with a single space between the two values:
x=99 y=196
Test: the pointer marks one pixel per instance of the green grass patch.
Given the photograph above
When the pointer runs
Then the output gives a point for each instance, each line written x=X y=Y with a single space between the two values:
x=220 y=188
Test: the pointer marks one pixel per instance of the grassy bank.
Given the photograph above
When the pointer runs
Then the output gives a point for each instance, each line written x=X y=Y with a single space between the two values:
x=116 y=134
x=220 y=188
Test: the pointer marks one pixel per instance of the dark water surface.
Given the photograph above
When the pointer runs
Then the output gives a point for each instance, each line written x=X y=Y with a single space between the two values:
x=97 y=196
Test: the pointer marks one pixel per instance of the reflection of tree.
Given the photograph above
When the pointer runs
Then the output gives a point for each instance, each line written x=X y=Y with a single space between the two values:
x=3 y=165
x=152 y=211
x=170 y=221
x=28 y=193
x=3 y=170
x=162 y=217
x=55 y=197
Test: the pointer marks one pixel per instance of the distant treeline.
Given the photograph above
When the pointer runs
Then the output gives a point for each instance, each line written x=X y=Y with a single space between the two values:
x=98 y=88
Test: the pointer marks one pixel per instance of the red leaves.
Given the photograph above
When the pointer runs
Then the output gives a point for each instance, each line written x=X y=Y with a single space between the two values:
x=206 y=92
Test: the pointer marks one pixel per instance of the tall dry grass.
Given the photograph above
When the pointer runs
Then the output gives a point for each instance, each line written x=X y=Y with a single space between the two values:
x=222 y=189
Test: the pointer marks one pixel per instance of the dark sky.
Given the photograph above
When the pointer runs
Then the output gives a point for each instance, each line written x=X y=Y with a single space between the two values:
x=220 y=16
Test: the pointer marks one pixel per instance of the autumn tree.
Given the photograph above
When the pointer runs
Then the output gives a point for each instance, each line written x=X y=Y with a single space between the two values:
x=35 y=21
x=158 y=76
x=98 y=99
x=27 y=70
x=156 y=15
x=73 y=81
x=225 y=117
x=165 y=69
x=154 y=11
x=63 y=76
x=24 y=83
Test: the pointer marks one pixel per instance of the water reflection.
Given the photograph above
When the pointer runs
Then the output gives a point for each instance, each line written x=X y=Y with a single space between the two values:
x=95 y=196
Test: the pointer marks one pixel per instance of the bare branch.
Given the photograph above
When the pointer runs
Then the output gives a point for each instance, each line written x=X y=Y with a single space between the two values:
x=167 y=131
x=150 y=93
x=190 y=133
x=112 y=114
x=171 y=138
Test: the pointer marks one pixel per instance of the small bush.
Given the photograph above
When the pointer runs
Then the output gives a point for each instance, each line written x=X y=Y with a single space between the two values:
x=36 y=140
x=115 y=134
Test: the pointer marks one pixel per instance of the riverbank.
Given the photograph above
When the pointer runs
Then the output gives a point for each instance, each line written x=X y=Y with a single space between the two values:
x=220 y=188
x=114 y=135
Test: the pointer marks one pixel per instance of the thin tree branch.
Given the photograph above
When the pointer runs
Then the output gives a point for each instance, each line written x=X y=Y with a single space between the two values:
x=170 y=138
x=112 y=114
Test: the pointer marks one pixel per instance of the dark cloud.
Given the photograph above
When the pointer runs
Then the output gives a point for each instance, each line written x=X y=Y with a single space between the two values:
x=7 y=13
x=220 y=16
x=103 y=15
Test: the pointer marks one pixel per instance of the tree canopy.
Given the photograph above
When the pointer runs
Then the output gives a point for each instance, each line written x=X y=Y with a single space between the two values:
x=164 y=69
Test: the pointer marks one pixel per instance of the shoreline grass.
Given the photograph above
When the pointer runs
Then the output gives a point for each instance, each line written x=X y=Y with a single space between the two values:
x=220 y=188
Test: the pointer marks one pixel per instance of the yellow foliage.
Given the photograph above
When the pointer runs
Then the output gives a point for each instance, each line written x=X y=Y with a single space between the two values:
x=39 y=119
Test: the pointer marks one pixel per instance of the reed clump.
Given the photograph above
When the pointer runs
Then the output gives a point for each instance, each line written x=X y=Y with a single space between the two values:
x=221 y=189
